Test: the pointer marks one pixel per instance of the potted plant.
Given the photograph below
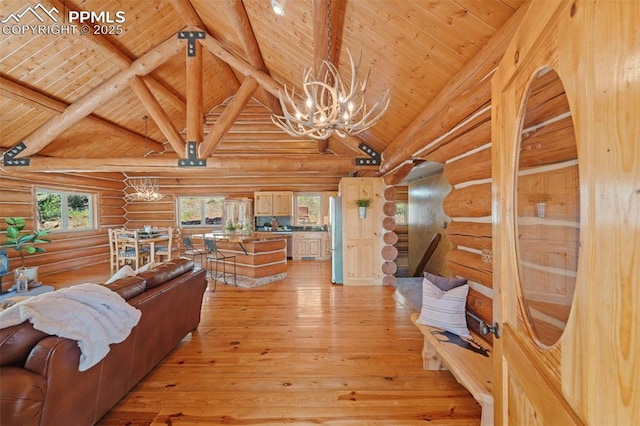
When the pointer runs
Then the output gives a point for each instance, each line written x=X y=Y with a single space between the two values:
x=363 y=203
x=24 y=243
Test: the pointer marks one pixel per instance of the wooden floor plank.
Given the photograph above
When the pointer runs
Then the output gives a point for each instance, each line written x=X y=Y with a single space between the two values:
x=299 y=351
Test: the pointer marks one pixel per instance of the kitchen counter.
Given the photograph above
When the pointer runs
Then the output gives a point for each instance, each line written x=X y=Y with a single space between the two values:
x=261 y=257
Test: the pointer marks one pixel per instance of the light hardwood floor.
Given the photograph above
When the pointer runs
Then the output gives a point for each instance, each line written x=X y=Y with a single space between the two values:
x=298 y=351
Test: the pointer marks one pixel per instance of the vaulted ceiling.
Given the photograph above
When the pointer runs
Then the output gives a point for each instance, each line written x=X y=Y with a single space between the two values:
x=77 y=101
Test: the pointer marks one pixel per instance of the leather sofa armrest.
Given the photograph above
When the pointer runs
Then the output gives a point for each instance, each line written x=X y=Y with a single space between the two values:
x=64 y=352
x=57 y=360
x=23 y=395
x=16 y=342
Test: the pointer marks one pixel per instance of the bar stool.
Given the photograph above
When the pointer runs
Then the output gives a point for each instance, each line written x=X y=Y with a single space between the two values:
x=191 y=250
x=214 y=255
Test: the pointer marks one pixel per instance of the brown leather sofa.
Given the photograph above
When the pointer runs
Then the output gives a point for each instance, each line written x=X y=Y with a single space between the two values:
x=39 y=379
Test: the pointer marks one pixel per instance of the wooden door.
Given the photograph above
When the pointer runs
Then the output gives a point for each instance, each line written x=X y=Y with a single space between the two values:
x=587 y=373
x=362 y=237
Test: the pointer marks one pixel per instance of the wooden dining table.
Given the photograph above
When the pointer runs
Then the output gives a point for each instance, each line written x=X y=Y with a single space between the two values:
x=151 y=241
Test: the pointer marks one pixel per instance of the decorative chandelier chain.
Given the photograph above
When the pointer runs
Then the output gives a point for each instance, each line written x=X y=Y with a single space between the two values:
x=145 y=189
x=329 y=47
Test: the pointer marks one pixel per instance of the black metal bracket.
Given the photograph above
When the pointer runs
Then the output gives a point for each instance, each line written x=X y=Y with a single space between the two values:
x=9 y=156
x=372 y=160
x=192 y=159
x=191 y=37
x=367 y=161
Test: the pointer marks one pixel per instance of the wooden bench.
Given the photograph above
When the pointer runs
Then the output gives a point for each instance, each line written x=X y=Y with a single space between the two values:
x=470 y=364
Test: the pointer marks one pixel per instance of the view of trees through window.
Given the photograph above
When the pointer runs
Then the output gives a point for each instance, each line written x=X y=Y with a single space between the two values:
x=308 y=209
x=64 y=210
x=200 y=211
x=401 y=213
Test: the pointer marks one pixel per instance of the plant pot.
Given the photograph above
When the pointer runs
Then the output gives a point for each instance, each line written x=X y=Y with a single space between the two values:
x=30 y=272
x=362 y=212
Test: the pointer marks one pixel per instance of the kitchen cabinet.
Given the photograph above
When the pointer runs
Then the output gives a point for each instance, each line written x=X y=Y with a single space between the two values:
x=273 y=203
x=237 y=211
x=326 y=245
x=312 y=245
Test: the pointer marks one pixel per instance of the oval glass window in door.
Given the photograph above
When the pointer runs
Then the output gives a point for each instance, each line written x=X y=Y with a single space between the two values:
x=548 y=207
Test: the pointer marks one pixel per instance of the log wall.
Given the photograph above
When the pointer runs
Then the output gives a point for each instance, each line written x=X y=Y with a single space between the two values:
x=69 y=249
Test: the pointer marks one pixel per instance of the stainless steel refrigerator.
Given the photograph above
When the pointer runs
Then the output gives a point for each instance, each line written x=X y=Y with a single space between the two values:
x=335 y=227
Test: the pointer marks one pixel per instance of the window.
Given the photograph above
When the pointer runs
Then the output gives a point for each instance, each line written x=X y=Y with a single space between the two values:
x=308 y=209
x=200 y=211
x=401 y=213
x=64 y=211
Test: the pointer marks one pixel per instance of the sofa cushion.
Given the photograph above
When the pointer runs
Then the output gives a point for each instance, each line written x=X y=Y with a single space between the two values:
x=17 y=341
x=128 y=287
x=166 y=271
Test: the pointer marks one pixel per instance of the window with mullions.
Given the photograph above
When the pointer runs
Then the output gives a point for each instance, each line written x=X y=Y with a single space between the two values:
x=64 y=211
x=200 y=211
x=308 y=209
x=401 y=213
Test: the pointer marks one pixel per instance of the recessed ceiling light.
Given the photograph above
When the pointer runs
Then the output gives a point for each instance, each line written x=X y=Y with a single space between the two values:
x=278 y=9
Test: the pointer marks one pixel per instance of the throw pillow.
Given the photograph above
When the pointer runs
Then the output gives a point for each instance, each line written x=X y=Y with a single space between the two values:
x=445 y=309
x=145 y=268
x=443 y=283
x=125 y=271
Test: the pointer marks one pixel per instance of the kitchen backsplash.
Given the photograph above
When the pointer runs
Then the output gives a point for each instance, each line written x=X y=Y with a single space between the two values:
x=283 y=221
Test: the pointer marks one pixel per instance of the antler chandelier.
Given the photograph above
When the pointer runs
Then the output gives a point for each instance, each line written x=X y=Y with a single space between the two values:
x=330 y=105
x=144 y=190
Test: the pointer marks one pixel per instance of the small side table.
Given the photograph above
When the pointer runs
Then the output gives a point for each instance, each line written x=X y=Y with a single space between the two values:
x=32 y=292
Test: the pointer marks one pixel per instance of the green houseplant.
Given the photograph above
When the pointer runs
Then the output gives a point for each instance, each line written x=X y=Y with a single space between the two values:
x=24 y=243
x=362 y=204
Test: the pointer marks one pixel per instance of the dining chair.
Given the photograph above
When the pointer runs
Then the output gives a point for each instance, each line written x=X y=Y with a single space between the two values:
x=130 y=249
x=191 y=250
x=113 y=249
x=164 y=252
x=215 y=255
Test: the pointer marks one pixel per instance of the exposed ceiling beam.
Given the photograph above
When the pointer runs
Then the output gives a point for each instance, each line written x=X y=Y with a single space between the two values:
x=238 y=15
x=450 y=106
x=327 y=31
x=218 y=165
x=84 y=106
x=193 y=78
x=159 y=115
x=40 y=101
x=228 y=117
x=327 y=34
x=124 y=62
x=191 y=18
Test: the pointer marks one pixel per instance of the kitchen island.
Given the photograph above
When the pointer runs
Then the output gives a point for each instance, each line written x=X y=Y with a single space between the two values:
x=261 y=257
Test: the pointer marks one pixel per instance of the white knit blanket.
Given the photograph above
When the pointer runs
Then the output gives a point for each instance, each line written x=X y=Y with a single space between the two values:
x=91 y=314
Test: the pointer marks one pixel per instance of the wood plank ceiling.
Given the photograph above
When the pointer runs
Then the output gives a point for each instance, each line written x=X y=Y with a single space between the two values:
x=77 y=101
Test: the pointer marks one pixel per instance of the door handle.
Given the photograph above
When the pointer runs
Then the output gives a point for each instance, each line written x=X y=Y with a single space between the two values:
x=488 y=329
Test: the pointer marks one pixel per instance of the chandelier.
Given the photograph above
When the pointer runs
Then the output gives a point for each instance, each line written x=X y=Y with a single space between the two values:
x=145 y=189
x=330 y=105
